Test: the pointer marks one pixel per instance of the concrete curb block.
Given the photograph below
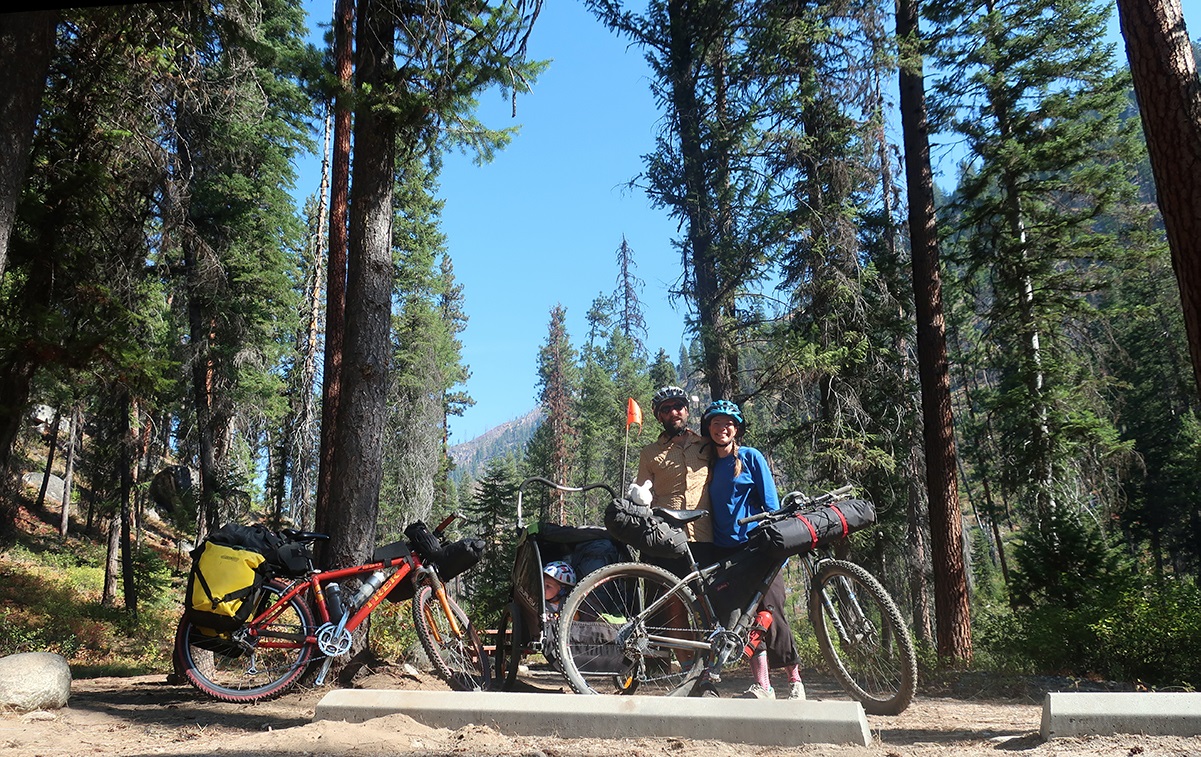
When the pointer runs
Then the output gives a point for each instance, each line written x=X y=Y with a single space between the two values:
x=770 y=723
x=1108 y=714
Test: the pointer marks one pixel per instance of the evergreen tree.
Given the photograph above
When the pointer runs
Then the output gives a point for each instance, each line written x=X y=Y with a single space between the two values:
x=552 y=450
x=1049 y=154
x=426 y=358
x=491 y=513
x=418 y=70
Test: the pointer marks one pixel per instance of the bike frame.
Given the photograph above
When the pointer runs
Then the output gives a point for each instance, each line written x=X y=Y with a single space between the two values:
x=316 y=581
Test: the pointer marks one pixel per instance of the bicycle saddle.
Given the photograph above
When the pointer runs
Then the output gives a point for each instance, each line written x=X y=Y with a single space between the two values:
x=680 y=517
x=306 y=536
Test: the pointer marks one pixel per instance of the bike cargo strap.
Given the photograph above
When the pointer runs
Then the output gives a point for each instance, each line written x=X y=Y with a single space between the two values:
x=806 y=530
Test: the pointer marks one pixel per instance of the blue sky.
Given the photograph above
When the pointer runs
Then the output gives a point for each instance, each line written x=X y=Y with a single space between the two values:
x=540 y=224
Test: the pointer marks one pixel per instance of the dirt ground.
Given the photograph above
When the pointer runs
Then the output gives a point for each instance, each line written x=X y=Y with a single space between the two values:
x=145 y=715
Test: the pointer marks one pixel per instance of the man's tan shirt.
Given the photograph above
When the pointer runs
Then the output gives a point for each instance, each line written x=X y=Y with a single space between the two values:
x=678 y=468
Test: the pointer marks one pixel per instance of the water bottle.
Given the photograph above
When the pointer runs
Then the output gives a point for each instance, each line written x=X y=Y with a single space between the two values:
x=333 y=600
x=368 y=588
x=758 y=629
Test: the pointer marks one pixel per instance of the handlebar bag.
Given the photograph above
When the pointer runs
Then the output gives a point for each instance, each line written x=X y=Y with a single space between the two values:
x=638 y=526
x=803 y=531
x=452 y=560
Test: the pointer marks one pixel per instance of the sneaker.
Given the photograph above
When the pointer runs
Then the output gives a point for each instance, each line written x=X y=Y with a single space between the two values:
x=796 y=690
x=758 y=692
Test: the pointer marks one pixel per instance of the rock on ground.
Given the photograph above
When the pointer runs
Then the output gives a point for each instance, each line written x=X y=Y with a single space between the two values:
x=34 y=681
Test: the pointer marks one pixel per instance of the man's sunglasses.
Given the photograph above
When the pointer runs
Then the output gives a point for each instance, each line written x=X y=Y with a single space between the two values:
x=667 y=408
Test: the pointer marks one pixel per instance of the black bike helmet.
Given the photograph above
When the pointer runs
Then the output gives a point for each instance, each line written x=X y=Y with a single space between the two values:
x=721 y=407
x=667 y=394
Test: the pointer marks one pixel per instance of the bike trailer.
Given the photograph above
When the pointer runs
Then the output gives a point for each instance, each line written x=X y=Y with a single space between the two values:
x=808 y=529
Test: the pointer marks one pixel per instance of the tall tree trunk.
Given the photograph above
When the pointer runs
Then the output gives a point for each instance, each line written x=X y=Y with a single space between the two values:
x=354 y=488
x=1169 y=102
x=41 y=502
x=69 y=473
x=26 y=43
x=126 y=462
x=112 y=561
x=710 y=302
x=302 y=447
x=952 y=614
x=335 y=292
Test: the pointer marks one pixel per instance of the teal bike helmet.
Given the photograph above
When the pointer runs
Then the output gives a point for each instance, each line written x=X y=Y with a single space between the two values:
x=722 y=407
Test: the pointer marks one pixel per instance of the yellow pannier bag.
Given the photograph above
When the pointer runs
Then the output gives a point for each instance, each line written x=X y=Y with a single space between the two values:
x=222 y=586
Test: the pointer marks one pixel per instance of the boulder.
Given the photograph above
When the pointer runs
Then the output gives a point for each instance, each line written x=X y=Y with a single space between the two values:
x=34 y=681
x=54 y=490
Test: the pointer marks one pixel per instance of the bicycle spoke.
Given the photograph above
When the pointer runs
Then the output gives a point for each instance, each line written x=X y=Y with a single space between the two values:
x=611 y=644
x=863 y=638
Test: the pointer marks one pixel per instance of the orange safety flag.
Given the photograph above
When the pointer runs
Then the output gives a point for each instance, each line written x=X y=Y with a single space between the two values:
x=633 y=413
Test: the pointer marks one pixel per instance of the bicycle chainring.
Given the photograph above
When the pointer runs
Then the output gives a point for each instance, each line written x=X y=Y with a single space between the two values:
x=332 y=640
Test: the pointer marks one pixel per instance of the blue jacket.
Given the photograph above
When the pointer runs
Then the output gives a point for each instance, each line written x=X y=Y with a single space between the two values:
x=752 y=492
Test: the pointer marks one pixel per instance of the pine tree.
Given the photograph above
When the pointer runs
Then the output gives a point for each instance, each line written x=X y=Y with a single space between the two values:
x=553 y=445
x=492 y=515
x=1049 y=155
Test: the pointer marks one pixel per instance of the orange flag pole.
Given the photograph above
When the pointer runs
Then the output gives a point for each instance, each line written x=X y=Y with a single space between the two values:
x=633 y=415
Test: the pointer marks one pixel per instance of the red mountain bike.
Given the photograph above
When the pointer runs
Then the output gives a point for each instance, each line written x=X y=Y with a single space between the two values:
x=302 y=623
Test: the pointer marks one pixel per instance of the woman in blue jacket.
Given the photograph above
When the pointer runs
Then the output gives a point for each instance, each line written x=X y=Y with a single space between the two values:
x=740 y=485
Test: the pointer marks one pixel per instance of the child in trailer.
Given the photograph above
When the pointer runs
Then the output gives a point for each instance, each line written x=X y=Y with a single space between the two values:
x=558 y=579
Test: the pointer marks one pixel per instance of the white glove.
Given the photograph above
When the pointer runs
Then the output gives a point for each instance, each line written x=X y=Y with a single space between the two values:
x=640 y=495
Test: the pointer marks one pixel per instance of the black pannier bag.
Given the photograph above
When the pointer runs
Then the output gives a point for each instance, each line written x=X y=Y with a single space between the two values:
x=813 y=528
x=293 y=559
x=639 y=527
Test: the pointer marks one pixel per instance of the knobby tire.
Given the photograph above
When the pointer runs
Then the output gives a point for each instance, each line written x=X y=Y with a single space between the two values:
x=460 y=660
x=223 y=670
x=602 y=652
x=875 y=663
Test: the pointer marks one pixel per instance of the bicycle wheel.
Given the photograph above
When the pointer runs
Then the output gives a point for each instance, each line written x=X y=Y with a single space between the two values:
x=459 y=658
x=608 y=644
x=863 y=638
x=263 y=667
x=509 y=646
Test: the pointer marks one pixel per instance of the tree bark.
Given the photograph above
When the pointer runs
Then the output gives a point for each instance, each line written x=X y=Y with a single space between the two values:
x=26 y=44
x=952 y=614
x=41 y=501
x=69 y=473
x=357 y=472
x=712 y=303
x=335 y=292
x=1169 y=101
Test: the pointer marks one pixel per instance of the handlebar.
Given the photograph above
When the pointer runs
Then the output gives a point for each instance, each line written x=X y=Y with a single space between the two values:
x=558 y=487
x=446 y=522
x=793 y=501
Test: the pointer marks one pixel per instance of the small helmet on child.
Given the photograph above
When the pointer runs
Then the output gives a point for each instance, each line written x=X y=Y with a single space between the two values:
x=667 y=394
x=721 y=407
x=561 y=572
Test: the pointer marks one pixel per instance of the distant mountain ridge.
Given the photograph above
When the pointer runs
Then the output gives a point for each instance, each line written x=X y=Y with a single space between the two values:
x=471 y=456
